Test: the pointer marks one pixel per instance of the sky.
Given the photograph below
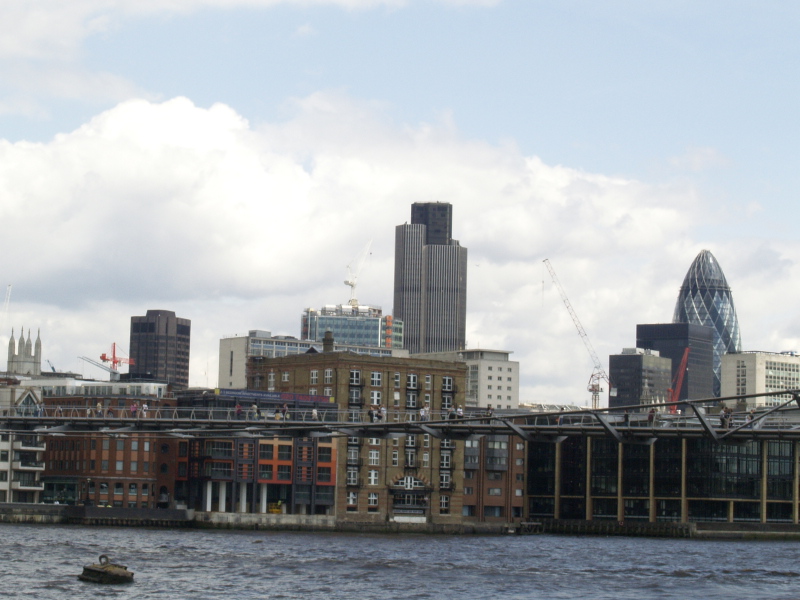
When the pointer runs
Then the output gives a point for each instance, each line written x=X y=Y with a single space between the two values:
x=228 y=159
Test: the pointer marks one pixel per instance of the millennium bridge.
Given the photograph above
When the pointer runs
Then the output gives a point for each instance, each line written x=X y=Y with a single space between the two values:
x=644 y=424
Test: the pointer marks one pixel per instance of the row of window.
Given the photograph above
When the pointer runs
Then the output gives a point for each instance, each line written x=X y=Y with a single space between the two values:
x=400 y=500
x=119 y=487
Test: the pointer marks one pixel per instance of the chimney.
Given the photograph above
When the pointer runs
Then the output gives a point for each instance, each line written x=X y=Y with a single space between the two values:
x=327 y=342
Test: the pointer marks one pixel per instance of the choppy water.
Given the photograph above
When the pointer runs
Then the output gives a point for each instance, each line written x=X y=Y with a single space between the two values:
x=43 y=562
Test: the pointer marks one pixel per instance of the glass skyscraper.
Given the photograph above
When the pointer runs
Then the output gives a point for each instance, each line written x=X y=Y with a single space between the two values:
x=705 y=299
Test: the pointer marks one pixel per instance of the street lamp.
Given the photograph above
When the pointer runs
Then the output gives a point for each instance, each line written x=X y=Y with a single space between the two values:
x=88 y=500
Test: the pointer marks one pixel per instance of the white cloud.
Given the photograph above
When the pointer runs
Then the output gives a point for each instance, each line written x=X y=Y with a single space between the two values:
x=170 y=205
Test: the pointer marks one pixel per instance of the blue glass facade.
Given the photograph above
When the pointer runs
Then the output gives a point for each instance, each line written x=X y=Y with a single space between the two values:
x=705 y=299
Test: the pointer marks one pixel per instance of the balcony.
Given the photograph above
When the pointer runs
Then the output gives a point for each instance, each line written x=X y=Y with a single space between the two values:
x=27 y=485
x=32 y=443
x=27 y=465
x=355 y=483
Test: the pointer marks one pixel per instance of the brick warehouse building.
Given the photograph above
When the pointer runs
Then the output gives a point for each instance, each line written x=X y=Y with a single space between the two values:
x=413 y=478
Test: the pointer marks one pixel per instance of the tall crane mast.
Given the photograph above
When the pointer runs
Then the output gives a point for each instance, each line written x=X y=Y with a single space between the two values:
x=598 y=374
x=352 y=274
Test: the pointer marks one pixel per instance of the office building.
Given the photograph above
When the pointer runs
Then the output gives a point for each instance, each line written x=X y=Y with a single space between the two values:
x=159 y=348
x=639 y=376
x=430 y=280
x=705 y=299
x=671 y=341
x=235 y=350
x=746 y=373
x=359 y=325
x=492 y=379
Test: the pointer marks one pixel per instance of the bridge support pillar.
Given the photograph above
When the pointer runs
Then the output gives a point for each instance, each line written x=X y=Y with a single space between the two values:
x=223 y=496
x=209 y=494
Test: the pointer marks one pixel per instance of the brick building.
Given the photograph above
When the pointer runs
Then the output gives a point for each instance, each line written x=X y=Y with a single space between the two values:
x=410 y=478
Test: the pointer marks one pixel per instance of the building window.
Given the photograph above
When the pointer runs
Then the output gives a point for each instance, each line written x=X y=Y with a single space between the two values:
x=444 y=479
x=285 y=376
x=375 y=379
x=119 y=466
x=352 y=498
x=133 y=489
x=284 y=452
x=327 y=391
x=312 y=391
x=397 y=380
x=428 y=382
x=134 y=466
x=395 y=458
x=445 y=461
x=495 y=492
x=324 y=454
x=425 y=459
x=355 y=377
x=468 y=491
x=354 y=396
x=271 y=382
x=447 y=402
x=266 y=451
x=411 y=381
x=447 y=384
x=324 y=474
x=265 y=471
x=352 y=477
x=327 y=376
x=372 y=477
x=375 y=396
x=118 y=489
x=444 y=505
x=374 y=458
x=284 y=473
x=313 y=377
x=372 y=499
x=411 y=400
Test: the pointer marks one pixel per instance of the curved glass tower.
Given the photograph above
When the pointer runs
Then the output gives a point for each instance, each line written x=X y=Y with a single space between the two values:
x=705 y=299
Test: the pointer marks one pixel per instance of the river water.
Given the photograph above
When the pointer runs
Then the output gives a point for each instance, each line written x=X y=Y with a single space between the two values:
x=43 y=562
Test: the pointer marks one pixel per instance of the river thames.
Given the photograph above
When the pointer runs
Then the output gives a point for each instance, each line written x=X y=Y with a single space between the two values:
x=43 y=562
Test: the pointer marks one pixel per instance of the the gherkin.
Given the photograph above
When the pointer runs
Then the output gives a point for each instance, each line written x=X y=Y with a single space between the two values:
x=705 y=299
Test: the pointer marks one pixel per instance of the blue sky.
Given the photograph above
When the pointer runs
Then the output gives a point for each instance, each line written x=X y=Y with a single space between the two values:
x=615 y=138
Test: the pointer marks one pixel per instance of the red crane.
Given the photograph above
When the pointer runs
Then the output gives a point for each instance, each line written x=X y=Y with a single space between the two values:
x=677 y=382
x=116 y=360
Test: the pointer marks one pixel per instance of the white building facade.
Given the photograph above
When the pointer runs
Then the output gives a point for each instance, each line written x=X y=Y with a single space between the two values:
x=21 y=453
x=492 y=379
x=746 y=373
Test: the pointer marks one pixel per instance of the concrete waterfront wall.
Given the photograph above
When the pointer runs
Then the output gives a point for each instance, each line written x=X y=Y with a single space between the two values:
x=32 y=513
x=216 y=520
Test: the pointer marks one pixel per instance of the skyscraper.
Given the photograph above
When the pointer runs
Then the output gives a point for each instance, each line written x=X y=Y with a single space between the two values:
x=671 y=340
x=160 y=347
x=705 y=299
x=430 y=280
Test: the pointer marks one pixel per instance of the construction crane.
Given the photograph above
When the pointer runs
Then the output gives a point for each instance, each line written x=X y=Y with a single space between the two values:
x=352 y=274
x=116 y=360
x=598 y=374
x=677 y=382
x=4 y=313
x=114 y=373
